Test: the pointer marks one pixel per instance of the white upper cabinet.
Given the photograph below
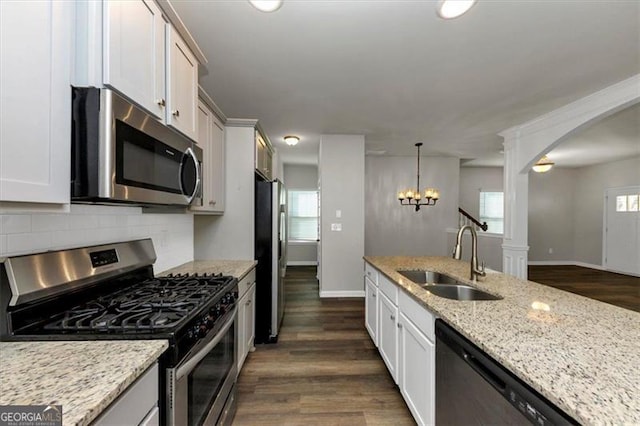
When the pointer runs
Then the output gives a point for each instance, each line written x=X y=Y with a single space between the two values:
x=182 y=90
x=212 y=141
x=134 y=52
x=36 y=42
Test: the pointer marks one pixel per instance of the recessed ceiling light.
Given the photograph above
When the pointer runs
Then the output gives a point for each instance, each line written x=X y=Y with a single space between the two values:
x=291 y=140
x=266 y=5
x=449 y=9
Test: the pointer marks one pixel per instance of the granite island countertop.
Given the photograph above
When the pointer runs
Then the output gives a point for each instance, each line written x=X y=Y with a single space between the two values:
x=85 y=377
x=581 y=354
x=235 y=268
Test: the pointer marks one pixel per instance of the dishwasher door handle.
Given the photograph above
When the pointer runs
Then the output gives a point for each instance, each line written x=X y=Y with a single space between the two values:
x=485 y=372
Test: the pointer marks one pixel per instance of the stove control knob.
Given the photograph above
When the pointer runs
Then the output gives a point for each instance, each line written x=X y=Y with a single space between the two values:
x=202 y=331
x=209 y=321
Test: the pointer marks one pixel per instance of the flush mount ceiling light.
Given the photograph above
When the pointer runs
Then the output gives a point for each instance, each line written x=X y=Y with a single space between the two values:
x=291 y=140
x=543 y=165
x=412 y=197
x=266 y=5
x=449 y=9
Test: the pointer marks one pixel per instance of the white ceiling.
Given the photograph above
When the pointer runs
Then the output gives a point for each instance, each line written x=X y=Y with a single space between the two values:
x=393 y=71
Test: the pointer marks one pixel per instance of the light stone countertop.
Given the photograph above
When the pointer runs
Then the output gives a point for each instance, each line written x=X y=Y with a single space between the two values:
x=235 y=268
x=85 y=377
x=581 y=354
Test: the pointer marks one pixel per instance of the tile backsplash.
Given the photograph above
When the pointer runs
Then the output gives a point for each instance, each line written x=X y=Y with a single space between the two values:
x=84 y=225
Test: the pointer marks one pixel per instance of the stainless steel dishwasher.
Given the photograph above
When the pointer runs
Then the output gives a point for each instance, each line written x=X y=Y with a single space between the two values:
x=473 y=389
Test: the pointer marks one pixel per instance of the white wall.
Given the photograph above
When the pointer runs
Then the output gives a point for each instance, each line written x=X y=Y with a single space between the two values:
x=301 y=177
x=342 y=173
x=85 y=225
x=392 y=229
x=231 y=236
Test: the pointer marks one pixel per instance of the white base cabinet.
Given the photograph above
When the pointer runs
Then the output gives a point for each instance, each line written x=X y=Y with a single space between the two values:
x=246 y=316
x=404 y=332
x=35 y=100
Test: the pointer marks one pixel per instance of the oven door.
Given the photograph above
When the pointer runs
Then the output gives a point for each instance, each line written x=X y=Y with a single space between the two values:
x=201 y=385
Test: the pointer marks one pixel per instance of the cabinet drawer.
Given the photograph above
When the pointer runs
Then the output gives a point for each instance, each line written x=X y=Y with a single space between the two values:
x=371 y=273
x=388 y=288
x=418 y=314
x=246 y=282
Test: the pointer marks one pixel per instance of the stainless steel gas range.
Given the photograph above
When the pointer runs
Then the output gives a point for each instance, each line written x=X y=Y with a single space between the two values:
x=110 y=292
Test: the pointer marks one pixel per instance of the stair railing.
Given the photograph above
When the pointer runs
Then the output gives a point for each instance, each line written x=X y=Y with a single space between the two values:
x=465 y=218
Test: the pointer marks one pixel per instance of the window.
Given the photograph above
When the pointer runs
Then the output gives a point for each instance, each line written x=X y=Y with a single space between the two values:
x=303 y=215
x=492 y=211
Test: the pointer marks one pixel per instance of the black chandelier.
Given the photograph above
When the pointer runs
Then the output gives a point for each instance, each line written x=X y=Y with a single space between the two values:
x=413 y=197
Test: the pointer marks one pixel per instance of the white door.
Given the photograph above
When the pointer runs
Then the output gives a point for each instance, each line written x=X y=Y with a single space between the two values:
x=622 y=230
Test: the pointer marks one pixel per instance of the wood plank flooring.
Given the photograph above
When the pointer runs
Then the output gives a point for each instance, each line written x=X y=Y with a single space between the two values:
x=616 y=289
x=324 y=370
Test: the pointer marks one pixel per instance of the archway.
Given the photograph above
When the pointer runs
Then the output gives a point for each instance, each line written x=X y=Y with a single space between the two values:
x=526 y=143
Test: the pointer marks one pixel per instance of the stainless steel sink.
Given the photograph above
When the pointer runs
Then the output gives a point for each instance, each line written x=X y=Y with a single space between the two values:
x=459 y=292
x=428 y=277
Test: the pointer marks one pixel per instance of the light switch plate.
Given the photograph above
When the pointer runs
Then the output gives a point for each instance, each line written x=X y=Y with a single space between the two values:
x=338 y=213
x=336 y=227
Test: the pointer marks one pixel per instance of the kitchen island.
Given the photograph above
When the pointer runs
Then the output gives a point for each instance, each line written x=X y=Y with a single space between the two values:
x=581 y=354
x=85 y=377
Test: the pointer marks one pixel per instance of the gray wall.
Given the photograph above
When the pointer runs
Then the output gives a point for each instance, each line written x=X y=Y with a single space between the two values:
x=551 y=215
x=566 y=209
x=342 y=173
x=301 y=177
x=395 y=230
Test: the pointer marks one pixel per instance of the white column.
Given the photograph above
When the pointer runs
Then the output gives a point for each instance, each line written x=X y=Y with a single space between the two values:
x=515 y=247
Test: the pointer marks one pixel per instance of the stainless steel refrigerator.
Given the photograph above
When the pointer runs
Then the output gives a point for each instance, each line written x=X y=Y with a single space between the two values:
x=271 y=254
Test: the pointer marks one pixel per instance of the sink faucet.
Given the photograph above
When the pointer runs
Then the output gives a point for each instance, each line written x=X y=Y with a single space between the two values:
x=457 y=252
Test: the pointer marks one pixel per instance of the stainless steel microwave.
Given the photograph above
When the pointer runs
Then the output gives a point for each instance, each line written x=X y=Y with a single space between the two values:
x=122 y=154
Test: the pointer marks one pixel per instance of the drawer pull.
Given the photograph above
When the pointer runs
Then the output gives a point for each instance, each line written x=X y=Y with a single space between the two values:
x=176 y=113
x=161 y=102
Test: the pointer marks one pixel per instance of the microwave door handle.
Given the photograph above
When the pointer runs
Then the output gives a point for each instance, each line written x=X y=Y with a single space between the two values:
x=196 y=164
x=191 y=363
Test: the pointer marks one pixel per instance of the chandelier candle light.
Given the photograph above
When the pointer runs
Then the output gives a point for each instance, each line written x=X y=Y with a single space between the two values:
x=413 y=197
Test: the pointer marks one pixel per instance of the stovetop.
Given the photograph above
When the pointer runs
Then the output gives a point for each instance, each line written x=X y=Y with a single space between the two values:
x=155 y=305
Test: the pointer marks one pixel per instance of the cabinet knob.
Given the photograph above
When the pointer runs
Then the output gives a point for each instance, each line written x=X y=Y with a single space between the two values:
x=248 y=302
x=399 y=325
x=176 y=113
x=373 y=295
x=161 y=102
x=211 y=203
x=393 y=318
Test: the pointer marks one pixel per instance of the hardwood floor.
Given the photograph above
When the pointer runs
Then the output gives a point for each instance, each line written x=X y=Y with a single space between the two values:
x=324 y=370
x=616 y=289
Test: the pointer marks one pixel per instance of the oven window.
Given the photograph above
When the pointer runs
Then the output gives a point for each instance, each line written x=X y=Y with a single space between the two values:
x=145 y=162
x=206 y=380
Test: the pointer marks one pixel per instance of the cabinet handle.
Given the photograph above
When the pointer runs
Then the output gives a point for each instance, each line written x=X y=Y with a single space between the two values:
x=373 y=295
x=176 y=113
x=211 y=203
x=161 y=102
x=393 y=318
x=248 y=302
x=399 y=325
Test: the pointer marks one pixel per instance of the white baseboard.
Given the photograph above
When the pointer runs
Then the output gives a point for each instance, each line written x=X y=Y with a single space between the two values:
x=351 y=293
x=566 y=262
x=302 y=263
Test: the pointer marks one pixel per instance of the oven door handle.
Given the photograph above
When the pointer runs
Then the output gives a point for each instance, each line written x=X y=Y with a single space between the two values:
x=190 y=364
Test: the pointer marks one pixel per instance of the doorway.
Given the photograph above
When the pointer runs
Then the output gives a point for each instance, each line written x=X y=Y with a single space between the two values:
x=621 y=240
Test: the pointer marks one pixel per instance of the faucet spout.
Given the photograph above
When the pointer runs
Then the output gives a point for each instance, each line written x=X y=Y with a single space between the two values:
x=457 y=252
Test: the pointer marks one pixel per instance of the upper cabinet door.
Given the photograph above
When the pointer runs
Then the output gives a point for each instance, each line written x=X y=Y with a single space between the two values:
x=36 y=42
x=134 y=52
x=217 y=166
x=182 y=91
